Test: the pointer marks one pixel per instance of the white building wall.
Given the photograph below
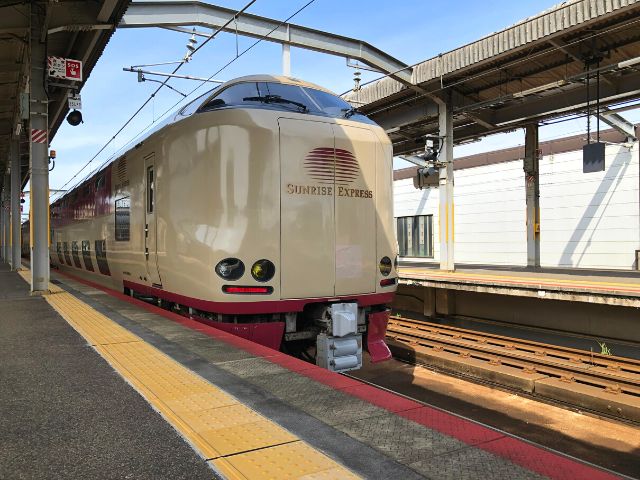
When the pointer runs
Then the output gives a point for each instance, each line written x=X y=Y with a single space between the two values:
x=590 y=220
x=587 y=220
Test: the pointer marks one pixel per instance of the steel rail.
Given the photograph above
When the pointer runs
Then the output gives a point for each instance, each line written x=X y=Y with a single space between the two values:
x=612 y=374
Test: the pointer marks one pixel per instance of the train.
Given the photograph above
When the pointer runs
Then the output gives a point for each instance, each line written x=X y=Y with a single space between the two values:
x=263 y=207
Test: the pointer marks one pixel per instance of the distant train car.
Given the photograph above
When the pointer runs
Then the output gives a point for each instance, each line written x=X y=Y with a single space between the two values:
x=264 y=206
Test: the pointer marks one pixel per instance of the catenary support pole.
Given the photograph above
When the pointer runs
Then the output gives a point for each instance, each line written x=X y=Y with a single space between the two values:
x=446 y=217
x=38 y=158
x=6 y=224
x=532 y=188
x=286 y=60
x=15 y=204
x=3 y=222
x=286 y=56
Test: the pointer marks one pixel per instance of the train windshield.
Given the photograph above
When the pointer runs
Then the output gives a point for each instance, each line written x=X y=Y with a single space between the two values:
x=282 y=96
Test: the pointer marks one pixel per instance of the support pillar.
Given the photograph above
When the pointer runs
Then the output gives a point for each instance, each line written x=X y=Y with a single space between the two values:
x=4 y=220
x=286 y=56
x=286 y=60
x=532 y=189
x=446 y=216
x=16 y=189
x=39 y=158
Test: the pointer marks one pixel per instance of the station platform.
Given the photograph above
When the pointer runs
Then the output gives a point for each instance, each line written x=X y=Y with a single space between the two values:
x=609 y=287
x=191 y=401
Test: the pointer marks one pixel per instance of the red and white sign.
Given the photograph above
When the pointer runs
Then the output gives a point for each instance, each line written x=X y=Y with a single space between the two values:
x=65 y=68
x=38 y=136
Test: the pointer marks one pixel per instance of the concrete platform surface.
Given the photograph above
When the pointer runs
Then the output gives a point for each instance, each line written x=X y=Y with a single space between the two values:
x=65 y=413
x=372 y=432
x=611 y=287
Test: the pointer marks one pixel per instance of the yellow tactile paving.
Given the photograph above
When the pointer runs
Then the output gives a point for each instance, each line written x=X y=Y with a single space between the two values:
x=26 y=276
x=292 y=461
x=240 y=442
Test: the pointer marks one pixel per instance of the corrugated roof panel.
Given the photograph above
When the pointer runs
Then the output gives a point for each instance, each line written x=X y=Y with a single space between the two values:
x=550 y=22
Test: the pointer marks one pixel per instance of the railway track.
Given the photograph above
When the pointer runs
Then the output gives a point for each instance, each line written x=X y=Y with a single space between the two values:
x=601 y=383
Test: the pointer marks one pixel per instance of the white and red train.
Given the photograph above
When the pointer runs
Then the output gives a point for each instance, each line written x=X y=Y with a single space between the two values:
x=264 y=206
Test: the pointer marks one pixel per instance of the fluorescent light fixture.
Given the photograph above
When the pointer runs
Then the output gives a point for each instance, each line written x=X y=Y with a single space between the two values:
x=629 y=63
x=541 y=88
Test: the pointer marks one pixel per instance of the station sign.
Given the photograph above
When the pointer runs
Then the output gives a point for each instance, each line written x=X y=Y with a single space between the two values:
x=64 y=68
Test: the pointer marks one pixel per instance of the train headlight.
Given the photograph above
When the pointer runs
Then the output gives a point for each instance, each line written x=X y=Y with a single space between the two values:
x=230 y=268
x=385 y=266
x=263 y=270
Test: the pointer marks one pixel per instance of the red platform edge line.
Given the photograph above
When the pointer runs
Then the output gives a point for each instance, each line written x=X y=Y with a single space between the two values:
x=534 y=458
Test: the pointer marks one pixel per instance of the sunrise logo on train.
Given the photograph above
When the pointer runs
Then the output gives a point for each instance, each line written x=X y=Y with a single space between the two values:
x=334 y=169
x=326 y=165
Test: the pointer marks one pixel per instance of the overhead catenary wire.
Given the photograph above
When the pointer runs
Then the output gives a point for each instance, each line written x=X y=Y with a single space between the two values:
x=203 y=82
x=152 y=96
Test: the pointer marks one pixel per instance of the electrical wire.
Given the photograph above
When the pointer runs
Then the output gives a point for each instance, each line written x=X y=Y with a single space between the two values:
x=173 y=107
x=152 y=96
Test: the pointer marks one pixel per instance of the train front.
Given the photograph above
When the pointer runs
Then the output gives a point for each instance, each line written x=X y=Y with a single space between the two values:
x=297 y=187
x=336 y=230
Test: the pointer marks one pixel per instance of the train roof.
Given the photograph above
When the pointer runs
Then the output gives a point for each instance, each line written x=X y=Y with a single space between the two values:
x=174 y=116
x=278 y=79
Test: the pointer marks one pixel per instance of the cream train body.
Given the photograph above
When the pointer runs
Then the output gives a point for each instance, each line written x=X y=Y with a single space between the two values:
x=261 y=179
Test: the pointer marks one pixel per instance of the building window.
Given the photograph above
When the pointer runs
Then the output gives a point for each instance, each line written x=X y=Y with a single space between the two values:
x=123 y=219
x=415 y=236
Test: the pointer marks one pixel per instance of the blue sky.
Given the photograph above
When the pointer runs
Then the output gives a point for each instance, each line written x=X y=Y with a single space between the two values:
x=413 y=32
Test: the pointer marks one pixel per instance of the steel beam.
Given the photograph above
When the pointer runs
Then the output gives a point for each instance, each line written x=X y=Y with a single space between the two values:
x=446 y=215
x=531 y=165
x=39 y=158
x=618 y=122
x=190 y=13
x=16 y=188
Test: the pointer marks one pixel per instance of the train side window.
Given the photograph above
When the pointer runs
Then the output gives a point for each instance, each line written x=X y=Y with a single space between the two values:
x=123 y=219
x=234 y=95
x=86 y=255
x=150 y=189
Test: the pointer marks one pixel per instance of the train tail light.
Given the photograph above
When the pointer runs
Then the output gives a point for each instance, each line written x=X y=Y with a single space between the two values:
x=387 y=282
x=247 y=290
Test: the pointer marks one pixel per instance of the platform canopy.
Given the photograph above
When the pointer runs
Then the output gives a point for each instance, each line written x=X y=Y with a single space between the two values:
x=72 y=29
x=529 y=72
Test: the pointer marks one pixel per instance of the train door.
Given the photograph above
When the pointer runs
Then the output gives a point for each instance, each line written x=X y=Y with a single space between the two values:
x=150 y=226
x=355 y=210
x=307 y=257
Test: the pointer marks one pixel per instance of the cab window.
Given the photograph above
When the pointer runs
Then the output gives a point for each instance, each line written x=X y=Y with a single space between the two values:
x=238 y=94
x=335 y=106
x=191 y=108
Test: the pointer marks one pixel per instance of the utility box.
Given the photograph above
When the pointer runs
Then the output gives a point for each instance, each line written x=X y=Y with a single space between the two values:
x=339 y=354
x=344 y=319
x=638 y=260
